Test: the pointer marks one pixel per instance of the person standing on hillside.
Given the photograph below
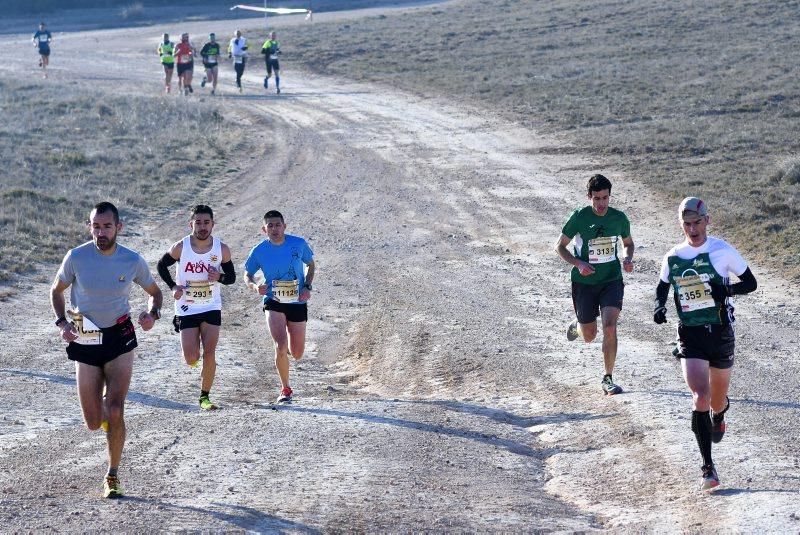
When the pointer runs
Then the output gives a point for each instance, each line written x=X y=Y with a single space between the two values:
x=42 y=39
x=165 y=50
x=597 y=286
x=198 y=303
x=699 y=269
x=282 y=260
x=101 y=335
x=184 y=55
x=210 y=55
x=271 y=50
x=237 y=49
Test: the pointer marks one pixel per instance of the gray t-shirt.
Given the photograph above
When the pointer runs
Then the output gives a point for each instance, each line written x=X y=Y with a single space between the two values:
x=101 y=285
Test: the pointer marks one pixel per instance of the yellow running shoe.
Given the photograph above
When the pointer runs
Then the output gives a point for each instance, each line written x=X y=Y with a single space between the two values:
x=104 y=425
x=206 y=404
x=194 y=364
x=112 y=488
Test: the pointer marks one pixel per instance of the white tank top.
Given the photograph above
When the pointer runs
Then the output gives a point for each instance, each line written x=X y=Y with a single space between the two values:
x=199 y=295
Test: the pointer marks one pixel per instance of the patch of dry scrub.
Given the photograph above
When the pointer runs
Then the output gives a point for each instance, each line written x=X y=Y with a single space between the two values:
x=65 y=148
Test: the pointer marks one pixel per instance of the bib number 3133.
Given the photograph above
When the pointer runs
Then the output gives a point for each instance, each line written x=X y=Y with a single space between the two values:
x=602 y=250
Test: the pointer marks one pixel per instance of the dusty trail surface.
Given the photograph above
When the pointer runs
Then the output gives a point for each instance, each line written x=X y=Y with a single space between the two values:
x=438 y=390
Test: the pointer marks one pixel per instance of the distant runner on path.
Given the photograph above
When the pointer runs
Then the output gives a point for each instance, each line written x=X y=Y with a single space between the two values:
x=203 y=261
x=698 y=269
x=597 y=287
x=100 y=332
x=237 y=50
x=271 y=50
x=282 y=260
x=210 y=54
x=166 y=50
x=184 y=55
x=42 y=39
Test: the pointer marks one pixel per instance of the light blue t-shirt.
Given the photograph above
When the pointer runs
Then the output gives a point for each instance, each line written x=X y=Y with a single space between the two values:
x=100 y=284
x=284 y=262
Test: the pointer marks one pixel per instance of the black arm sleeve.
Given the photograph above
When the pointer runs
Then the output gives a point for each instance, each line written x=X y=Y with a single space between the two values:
x=746 y=285
x=228 y=275
x=163 y=269
x=662 y=293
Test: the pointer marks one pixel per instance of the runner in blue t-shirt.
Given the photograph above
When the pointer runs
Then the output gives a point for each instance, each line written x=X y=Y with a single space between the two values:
x=42 y=38
x=282 y=260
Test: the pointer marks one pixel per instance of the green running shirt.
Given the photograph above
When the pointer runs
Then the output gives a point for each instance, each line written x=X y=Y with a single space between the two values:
x=597 y=241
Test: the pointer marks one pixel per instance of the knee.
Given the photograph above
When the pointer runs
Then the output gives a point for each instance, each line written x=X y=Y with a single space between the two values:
x=191 y=356
x=589 y=332
x=114 y=411
x=701 y=400
x=93 y=425
x=297 y=355
x=610 y=331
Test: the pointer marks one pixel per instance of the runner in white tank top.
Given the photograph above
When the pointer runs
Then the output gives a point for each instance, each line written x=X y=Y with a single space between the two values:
x=204 y=263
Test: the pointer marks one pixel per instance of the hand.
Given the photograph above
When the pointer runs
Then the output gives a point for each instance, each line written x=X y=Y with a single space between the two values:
x=627 y=265
x=719 y=291
x=261 y=289
x=305 y=295
x=146 y=321
x=68 y=332
x=177 y=292
x=213 y=274
x=585 y=268
x=660 y=315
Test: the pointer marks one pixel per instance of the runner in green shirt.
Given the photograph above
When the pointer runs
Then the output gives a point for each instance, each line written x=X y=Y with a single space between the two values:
x=698 y=270
x=597 y=287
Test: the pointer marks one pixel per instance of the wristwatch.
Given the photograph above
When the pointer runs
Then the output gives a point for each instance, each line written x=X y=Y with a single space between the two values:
x=307 y=285
x=156 y=313
x=59 y=320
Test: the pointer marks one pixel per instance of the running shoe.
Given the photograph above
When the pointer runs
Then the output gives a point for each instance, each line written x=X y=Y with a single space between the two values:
x=240 y=89
x=710 y=479
x=203 y=83
x=191 y=90
x=278 y=89
x=212 y=91
x=572 y=331
x=104 y=426
x=286 y=395
x=112 y=488
x=185 y=91
x=194 y=364
x=609 y=387
x=718 y=425
x=206 y=404
x=266 y=83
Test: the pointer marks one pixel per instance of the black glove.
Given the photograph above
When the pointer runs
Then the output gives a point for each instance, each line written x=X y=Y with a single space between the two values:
x=719 y=292
x=660 y=314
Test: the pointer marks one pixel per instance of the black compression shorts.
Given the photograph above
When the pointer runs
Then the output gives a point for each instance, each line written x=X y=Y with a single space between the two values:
x=296 y=312
x=117 y=340
x=714 y=343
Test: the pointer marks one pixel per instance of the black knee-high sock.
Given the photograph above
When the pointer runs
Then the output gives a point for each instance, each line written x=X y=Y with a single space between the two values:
x=701 y=425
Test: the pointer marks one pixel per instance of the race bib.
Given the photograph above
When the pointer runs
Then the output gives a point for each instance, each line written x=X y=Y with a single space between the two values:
x=694 y=292
x=198 y=292
x=602 y=250
x=89 y=334
x=184 y=59
x=285 y=291
x=238 y=59
x=273 y=56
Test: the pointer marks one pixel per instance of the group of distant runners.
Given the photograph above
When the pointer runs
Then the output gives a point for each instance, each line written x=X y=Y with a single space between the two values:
x=183 y=55
x=99 y=329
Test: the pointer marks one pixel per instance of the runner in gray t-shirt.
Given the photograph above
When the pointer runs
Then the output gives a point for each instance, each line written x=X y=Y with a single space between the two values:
x=101 y=334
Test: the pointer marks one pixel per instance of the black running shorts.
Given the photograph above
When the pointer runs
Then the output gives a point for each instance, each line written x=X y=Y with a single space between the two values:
x=272 y=65
x=209 y=66
x=117 y=340
x=714 y=343
x=588 y=299
x=193 y=321
x=44 y=49
x=168 y=66
x=183 y=67
x=296 y=312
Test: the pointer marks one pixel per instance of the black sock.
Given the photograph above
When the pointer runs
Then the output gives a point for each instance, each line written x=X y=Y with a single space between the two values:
x=204 y=393
x=701 y=425
x=112 y=472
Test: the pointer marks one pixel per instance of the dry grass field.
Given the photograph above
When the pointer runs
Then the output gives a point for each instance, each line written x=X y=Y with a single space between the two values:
x=693 y=98
x=64 y=148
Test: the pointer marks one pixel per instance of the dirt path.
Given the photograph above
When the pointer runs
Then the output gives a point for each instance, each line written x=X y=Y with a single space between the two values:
x=438 y=391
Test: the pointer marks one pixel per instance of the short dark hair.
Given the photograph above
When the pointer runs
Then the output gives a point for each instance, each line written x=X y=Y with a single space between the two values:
x=201 y=209
x=598 y=183
x=105 y=206
x=273 y=213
